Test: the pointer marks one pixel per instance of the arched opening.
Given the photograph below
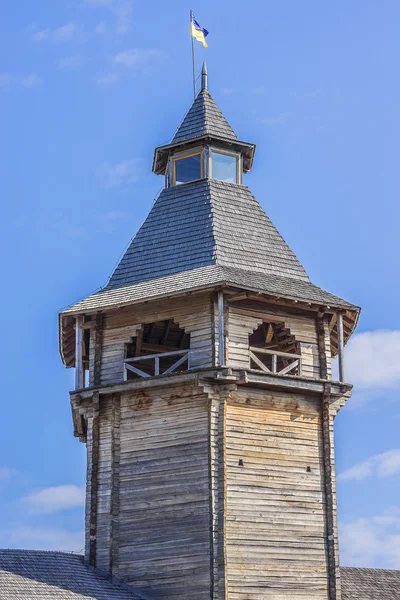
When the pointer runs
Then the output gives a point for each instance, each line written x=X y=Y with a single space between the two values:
x=159 y=348
x=274 y=349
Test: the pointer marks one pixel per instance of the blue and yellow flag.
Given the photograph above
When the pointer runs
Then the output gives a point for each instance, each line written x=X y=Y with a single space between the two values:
x=198 y=32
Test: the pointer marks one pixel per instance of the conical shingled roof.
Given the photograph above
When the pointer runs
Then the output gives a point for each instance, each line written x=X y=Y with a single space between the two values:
x=207 y=222
x=204 y=118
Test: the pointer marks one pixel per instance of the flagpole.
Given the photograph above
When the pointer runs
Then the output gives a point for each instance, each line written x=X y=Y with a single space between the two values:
x=193 y=67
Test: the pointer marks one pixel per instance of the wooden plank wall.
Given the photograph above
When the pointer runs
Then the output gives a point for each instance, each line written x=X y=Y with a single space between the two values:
x=246 y=317
x=192 y=313
x=164 y=504
x=275 y=511
x=103 y=526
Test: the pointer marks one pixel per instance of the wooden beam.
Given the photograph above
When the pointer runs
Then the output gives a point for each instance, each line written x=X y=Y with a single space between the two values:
x=94 y=481
x=139 y=338
x=323 y=365
x=79 y=382
x=167 y=327
x=330 y=495
x=340 y=345
x=98 y=345
x=221 y=329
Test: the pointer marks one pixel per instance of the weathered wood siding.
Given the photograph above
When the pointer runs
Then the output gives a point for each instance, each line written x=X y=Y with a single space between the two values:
x=275 y=504
x=193 y=313
x=105 y=479
x=164 y=503
x=246 y=317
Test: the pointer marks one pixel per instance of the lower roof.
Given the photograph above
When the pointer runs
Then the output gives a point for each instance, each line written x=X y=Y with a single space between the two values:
x=369 y=584
x=28 y=574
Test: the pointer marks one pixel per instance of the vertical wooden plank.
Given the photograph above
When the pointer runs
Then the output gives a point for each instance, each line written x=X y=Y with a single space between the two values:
x=114 y=508
x=330 y=497
x=98 y=344
x=79 y=382
x=323 y=366
x=94 y=481
x=340 y=345
x=221 y=329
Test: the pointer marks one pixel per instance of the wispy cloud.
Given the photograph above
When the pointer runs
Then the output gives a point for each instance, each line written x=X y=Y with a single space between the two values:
x=99 y=2
x=108 y=79
x=100 y=28
x=227 y=91
x=6 y=473
x=54 y=499
x=37 y=538
x=124 y=173
x=138 y=58
x=281 y=119
x=382 y=465
x=31 y=80
x=122 y=11
x=372 y=542
x=69 y=63
x=5 y=80
x=59 y=34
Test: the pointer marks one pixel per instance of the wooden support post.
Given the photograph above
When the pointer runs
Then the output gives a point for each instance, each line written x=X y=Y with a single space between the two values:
x=323 y=365
x=115 y=480
x=79 y=381
x=330 y=498
x=221 y=329
x=94 y=483
x=340 y=346
x=98 y=344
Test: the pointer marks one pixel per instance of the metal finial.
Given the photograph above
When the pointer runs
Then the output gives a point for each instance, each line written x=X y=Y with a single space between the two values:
x=204 y=77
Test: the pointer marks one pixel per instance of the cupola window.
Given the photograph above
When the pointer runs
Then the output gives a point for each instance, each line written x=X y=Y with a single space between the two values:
x=186 y=168
x=225 y=166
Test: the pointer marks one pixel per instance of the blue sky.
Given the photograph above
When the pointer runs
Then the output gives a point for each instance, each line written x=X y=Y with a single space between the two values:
x=88 y=88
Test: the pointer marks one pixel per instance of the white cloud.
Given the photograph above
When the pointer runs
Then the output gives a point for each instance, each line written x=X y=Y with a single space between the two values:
x=121 y=174
x=372 y=542
x=69 y=63
x=31 y=80
x=59 y=34
x=371 y=360
x=109 y=79
x=53 y=499
x=281 y=119
x=382 y=465
x=36 y=538
x=139 y=57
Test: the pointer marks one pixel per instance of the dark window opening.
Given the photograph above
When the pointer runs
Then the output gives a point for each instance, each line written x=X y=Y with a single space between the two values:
x=161 y=337
x=276 y=339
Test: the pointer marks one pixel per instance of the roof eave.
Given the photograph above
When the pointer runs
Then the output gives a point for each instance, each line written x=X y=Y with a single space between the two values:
x=162 y=153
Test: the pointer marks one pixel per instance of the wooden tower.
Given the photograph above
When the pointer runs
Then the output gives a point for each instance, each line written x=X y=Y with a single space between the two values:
x=204 y=392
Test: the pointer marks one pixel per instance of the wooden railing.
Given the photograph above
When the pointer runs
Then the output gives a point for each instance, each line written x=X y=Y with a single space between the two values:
x=184 y=354
x=291 y=361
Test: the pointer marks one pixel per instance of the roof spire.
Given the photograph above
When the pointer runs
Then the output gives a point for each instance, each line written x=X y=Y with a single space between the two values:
x=204 y=77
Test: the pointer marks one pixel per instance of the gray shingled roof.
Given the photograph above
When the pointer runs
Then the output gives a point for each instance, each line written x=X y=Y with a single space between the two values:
x=369 y=584
x=208 y=277
x=29 y=574
x=204 y=223
x=204 y=118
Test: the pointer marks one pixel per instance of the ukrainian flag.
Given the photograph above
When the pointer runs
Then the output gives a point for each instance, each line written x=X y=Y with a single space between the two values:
x=198 y=32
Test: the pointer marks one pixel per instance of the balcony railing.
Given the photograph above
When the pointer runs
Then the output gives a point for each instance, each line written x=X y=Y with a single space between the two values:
x=154 y=360
x=291 y=362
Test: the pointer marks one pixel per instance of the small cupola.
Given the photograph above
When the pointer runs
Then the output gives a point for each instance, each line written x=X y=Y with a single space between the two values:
x=204 y=146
